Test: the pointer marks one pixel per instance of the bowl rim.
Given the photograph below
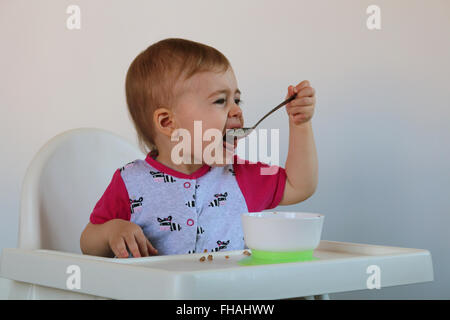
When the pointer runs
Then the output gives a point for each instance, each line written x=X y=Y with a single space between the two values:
x=257 y=215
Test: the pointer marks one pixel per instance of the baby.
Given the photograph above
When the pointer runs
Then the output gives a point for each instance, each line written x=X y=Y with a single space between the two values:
x=162 y=205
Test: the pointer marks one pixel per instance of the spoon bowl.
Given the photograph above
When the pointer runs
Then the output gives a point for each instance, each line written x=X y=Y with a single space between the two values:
x=240 y=133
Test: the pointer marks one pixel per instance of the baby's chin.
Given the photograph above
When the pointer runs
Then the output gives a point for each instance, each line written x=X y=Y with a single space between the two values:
x=226 y=160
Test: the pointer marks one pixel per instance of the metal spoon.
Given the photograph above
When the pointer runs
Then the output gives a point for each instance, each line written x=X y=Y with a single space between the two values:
x=243 y=132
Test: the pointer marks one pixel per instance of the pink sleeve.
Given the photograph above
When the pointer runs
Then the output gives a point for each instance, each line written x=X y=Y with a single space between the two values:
x=262 y=185
x=114 y=203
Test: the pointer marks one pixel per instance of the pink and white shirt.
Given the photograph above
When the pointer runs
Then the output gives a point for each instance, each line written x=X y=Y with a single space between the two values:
x=187 y=213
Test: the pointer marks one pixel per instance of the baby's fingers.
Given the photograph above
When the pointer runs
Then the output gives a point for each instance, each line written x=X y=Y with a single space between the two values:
x=119 y=248
x=151 y=249
x=296 y=89
x=132 y=245
x=291 y=92
x=142 y=243
x=301 y=110
x=299 y=102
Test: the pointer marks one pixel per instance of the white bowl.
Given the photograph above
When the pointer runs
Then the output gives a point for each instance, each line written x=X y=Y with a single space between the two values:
x=282 y=231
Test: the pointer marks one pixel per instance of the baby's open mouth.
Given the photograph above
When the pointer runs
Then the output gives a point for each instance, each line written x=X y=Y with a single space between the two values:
x=228 y=142
x=226 y=128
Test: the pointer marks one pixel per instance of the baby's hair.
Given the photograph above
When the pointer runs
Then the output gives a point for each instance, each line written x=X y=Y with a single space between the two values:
x=154 y=75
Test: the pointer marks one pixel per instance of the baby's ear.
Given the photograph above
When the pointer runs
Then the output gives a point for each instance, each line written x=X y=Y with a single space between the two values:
x=163 y=121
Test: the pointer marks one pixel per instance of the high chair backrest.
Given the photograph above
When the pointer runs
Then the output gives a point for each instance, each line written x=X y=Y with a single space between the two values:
x=63 y=183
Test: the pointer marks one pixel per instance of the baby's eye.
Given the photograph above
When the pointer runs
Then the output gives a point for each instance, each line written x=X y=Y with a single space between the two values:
x=220 y=101
x=237 y=101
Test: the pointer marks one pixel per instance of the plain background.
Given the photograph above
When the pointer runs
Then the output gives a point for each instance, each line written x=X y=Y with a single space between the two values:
x=381 y=123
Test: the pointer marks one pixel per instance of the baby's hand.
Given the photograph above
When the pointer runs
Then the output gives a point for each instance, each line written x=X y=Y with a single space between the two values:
x=301 y=109
x=123 y=234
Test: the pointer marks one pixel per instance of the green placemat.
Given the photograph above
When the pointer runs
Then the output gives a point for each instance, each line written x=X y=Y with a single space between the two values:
x=260 y=257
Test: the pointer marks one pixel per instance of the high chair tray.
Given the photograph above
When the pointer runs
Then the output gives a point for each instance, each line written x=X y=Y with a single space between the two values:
x=339 y=267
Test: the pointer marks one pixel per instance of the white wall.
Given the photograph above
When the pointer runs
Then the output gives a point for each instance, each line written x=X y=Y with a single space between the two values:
x=381 y=124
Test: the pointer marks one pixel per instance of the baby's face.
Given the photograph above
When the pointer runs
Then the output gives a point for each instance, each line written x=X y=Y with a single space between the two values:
x=212 y=98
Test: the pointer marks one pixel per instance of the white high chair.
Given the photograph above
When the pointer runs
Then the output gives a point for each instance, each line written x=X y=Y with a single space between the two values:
x=61 y=187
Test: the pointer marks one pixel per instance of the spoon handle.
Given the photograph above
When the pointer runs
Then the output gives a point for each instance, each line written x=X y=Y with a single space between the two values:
x=276 y=108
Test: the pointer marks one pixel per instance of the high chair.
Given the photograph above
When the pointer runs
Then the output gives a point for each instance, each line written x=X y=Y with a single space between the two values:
x=61 y=187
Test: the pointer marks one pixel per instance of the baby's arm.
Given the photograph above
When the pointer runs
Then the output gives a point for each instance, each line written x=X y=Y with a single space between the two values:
x=113 y=237
x=109 y=231
x=93 y=240
x=301 y=163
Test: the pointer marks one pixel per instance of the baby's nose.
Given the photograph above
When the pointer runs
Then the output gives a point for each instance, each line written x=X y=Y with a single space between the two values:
x=235 y=111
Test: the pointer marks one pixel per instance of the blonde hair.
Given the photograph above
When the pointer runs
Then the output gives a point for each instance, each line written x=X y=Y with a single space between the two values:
x=153 y=75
